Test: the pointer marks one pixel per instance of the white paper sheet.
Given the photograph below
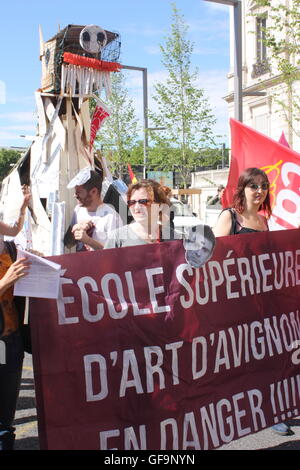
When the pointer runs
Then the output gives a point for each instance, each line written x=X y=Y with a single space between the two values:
x=42 y=279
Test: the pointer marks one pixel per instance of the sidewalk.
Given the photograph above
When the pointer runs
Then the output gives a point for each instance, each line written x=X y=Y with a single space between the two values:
x=26 y=419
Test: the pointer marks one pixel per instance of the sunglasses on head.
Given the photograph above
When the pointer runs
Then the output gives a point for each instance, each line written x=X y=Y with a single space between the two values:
x=255 y=187
x=141 y=202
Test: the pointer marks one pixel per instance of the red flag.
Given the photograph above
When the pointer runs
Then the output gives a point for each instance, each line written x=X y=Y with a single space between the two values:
x=250 y=148
x=131 y=174
x=283 y=140
x=99 y=115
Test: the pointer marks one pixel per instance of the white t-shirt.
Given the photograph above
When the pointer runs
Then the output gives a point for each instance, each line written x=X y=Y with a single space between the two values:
x=105 y=219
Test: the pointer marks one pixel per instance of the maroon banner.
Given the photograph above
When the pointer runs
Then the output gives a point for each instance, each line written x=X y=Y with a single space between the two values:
x=142 y=351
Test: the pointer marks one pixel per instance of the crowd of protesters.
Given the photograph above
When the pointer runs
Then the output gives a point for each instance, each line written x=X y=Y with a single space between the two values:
x=96 y=225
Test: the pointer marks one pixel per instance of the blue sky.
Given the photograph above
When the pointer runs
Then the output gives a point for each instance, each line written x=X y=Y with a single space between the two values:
x=142 y=24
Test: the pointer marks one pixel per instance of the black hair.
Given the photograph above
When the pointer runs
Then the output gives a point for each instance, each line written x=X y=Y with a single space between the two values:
x=95 y=181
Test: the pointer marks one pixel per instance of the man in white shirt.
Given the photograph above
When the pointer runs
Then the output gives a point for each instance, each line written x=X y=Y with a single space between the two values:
x=92 y=219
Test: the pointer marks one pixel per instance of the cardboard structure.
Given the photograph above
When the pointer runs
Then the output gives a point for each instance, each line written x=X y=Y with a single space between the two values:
x=76 y=67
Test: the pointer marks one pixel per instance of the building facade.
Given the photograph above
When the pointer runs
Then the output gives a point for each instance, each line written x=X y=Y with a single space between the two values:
x=261 y=79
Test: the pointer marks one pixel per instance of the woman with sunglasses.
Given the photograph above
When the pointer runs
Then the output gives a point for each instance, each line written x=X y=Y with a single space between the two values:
x=148 y=205
x=251 y=196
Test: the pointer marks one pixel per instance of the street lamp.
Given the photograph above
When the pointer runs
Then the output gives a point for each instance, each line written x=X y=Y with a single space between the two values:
x=145 y=112
x=238 y=93
x=145 y=109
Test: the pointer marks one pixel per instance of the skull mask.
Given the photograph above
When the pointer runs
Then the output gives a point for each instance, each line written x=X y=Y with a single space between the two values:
x=93 y=38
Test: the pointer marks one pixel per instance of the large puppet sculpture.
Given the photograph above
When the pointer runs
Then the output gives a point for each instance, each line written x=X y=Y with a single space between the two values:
x=76 y=67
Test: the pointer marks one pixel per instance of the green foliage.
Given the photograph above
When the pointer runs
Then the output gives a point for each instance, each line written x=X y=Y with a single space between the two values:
x=118 y=135
x=282 y=38
x=136 y=156
x=183 y=110
x=7 y=159
x=214 y=157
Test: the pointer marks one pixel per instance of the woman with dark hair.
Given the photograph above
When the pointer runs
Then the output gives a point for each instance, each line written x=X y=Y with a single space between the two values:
x=252 y=195
x=149 y=207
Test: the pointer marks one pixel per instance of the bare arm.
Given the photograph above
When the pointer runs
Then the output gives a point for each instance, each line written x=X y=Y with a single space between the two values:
x=13 y=230
x=223 y=226
x=17 y=270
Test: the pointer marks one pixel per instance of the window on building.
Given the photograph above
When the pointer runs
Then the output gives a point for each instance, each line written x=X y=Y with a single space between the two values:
x=261 y=123
x=261 y=65
x=261 y=48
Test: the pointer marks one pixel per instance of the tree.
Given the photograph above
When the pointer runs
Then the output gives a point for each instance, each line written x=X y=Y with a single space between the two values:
x=183 y=110
x=282 y=39
x=7 y=159
x=214 y=157
x=136 y=156
x=119 y=132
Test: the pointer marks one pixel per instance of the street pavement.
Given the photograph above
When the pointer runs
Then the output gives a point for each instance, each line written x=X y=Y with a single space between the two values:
x=27 y=430
x=26 y=418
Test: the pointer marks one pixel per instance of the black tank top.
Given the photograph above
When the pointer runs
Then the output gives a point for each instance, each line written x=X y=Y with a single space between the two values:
x=236 y=227
x=246 y=229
